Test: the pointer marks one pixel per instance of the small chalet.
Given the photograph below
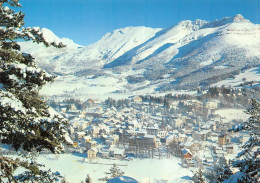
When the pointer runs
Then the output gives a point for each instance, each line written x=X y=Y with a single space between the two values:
x=186 y=154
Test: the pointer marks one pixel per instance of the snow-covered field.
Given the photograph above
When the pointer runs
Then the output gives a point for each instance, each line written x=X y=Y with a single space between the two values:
x=252 y=74
x=101 y=88
x=75 y=168
x=233 y=114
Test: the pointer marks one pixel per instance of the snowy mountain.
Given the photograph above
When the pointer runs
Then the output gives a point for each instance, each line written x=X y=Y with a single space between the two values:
x=193 y=53
x=140 y=60
x=45 y=55
x=111 y=46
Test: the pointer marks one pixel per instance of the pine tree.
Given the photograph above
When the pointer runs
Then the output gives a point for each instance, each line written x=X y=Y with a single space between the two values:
x=64 y=180
x=26 y=122
x=115 y=171
x=88 y=179
x=248 y=160
x=224 y=174
x=200 y=177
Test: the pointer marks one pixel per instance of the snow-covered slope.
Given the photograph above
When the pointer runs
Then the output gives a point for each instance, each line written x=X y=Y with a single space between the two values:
x=140 y=60
x=162 y=41
x=45 y=55
x=111 y=46
x=192 y=52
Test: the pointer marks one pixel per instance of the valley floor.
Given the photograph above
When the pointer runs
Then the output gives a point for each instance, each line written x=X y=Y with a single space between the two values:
x=75 y=168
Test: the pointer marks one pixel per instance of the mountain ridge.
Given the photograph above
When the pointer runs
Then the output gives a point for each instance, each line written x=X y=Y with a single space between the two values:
x=187 y=55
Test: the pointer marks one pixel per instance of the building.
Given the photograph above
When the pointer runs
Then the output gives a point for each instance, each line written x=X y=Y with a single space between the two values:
x=75 y=144
x=178 y=122
x=152 y=130
x=201 y=135
x=92 y=153
x=63 y=109
x=112 y=140
x=90 y=145
x=162 y=133
x=171 y=138
x=186 y=154
x=222 y=139
x=212 y=104
x=181 y=137
x=230 y=149
x=146 y=141
x=87 y=139
x=80 y=135
x=116 y=153
x=138 y=99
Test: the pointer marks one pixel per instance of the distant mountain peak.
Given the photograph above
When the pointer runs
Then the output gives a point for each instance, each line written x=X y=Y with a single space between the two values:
x=128 y=30
x=238 y=18
x=227 y=20
x=49 y=36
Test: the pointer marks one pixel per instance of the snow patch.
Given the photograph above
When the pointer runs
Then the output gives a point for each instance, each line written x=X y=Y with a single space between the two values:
x=232 y=114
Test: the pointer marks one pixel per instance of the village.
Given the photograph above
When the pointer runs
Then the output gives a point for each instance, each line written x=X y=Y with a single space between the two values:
x=190 y=128
x=193 y=129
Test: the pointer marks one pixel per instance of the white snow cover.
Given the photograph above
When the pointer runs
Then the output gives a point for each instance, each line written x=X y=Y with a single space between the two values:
x=233 y=114
x=53 y=113
x=108 y=48
x=49 y=36
x=122 y=179
x=8 y=100
x=252 y=74
x=138 y=49
x=76 y=167
x=24 y=68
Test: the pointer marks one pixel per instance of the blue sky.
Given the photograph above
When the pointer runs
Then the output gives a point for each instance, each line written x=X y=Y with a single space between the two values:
x=86 y=21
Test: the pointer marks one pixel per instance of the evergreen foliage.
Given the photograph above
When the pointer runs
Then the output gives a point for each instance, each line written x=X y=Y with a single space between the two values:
x=198 y=177
x=88 y=179
x=226 y=172
x=26 y=122
x=115 y=171
x=248 y=161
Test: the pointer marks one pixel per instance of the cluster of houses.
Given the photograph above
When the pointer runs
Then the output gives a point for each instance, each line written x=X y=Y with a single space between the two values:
x=147 y=130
